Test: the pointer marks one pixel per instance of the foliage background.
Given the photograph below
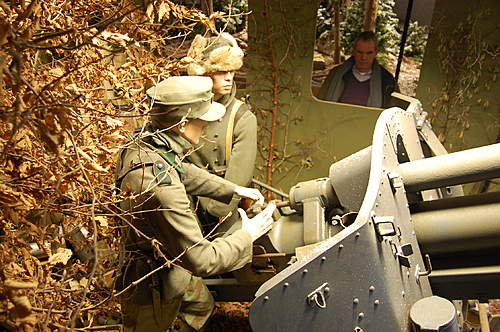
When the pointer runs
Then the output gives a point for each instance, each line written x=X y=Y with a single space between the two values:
x=72 y=80
x=387 y=26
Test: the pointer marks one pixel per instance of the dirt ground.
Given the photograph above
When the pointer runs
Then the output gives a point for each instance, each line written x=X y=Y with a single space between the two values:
x=230 y=317
x=227 y=317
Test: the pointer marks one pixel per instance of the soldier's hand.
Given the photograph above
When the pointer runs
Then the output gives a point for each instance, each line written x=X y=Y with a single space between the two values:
x=260 y=224
x=250 y=193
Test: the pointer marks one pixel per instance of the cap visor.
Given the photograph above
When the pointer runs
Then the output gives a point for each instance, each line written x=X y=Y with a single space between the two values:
x=215 y=112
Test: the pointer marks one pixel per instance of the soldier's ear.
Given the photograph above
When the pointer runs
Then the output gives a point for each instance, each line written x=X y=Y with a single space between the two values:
x=182 y=126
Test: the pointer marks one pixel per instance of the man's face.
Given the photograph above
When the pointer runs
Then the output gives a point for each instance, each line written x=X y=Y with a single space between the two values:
x=364 y=53
x=223 y=83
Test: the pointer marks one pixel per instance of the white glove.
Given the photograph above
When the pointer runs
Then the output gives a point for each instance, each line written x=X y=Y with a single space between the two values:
x=260 y=224
x=250 y=193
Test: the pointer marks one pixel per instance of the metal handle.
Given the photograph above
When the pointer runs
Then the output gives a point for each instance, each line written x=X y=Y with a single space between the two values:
x=427 y=266
x=318 y=296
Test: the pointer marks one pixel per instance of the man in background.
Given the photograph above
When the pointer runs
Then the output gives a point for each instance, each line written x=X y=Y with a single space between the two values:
x=360 y=80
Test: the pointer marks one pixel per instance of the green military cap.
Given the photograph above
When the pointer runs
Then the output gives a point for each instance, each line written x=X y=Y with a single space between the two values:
x=185 y=97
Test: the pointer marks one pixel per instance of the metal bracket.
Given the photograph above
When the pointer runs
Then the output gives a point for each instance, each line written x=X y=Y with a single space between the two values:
x=403 y=252
x=427 y=267
x=314 y=220
x=395 y=180
x=318 y=296
x=384 y=226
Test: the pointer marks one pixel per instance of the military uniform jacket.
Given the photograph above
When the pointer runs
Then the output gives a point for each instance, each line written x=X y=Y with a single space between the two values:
x=160 y=209
x=210 y=152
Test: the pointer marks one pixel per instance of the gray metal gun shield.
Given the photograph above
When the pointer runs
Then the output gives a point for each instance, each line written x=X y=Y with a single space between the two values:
x=368 y=275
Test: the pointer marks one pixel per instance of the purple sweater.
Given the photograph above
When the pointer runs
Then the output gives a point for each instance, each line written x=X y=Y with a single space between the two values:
x=355 y=92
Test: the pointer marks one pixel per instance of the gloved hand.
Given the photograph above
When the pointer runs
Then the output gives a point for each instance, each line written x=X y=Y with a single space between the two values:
x=260 y=224
x=250 y=193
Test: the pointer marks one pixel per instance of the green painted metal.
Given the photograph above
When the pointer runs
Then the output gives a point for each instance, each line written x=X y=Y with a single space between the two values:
x=482 y=109
x=310 y=134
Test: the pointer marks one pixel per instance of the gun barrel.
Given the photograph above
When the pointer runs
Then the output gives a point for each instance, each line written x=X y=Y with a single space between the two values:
x=451 y=169
x=458 y=229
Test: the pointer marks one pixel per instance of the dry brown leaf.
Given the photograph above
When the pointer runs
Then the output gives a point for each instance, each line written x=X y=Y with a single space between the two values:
x=61 y=256
x=74 y=285
x=163 y=11
x=103 y=221
x=23 y=169
x=113 y=123
x=4 y=33
x=149 y=12
x=83 y=282
x=57 y=72
x=8 y=195
x=113 y=138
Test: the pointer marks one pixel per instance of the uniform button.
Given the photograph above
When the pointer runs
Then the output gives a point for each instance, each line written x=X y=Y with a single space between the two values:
x=216 y=135
x=215 y=148
x=216 y=161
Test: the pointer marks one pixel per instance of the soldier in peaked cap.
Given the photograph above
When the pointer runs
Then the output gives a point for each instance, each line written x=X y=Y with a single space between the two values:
x=162 y=238
x=229 y=146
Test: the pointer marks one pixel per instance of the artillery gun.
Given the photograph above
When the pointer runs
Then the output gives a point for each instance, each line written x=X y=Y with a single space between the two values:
x=386 y=240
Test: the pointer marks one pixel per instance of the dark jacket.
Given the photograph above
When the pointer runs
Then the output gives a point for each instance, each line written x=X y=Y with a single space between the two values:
x=382 y=84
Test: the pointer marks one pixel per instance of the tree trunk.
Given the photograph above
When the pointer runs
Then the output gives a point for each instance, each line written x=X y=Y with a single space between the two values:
x=334 y=34
x=207 y=6
x=336 y=52
x=370 y=10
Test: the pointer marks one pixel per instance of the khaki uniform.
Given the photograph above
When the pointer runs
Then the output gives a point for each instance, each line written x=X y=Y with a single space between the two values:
x=210 y=154
x=160 y=209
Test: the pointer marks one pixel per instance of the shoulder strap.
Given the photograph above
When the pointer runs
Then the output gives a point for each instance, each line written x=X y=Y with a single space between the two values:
x=155 y=158
x=230 y=128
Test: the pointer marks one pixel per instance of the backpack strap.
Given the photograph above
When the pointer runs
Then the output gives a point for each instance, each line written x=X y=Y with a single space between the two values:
x=230 y=129
x=233 y=117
